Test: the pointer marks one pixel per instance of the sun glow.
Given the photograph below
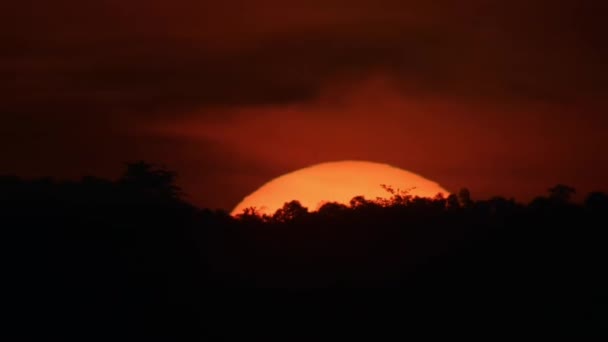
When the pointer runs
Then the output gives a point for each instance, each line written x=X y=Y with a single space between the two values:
x=336 y=182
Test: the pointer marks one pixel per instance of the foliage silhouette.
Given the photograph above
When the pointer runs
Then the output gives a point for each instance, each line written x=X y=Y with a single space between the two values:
x=290 y=211
x=131 y=258
x=561 y=193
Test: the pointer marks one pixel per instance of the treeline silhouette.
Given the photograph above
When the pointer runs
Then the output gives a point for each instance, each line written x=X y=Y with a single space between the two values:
x=131 y=258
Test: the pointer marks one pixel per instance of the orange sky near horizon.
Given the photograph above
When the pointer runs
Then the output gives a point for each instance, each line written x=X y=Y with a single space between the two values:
x=515 y=151
x=506 y=97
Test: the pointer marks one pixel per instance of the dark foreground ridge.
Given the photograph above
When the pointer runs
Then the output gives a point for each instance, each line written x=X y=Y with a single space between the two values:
x=129 y=259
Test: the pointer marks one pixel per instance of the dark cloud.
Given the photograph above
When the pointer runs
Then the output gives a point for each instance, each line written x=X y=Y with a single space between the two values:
x=151 y=54
x=81 y=80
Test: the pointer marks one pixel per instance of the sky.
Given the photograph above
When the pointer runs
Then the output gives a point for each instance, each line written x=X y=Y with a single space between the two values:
x=502 y=97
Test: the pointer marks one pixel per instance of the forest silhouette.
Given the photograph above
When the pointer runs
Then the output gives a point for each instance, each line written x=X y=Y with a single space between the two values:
x=131 y=258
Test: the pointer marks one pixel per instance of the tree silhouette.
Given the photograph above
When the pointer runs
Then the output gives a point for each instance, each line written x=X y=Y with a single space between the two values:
x=332 y=208
x=290 y=211
x=561 y=193
x=464 y=197
x=251 y=214
x=597 y=201
x=359 y=201
x=452 y=202
x=153 y=180
x=108 y=255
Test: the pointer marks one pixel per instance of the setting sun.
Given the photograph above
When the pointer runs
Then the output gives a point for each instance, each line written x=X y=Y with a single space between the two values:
x=336 y=182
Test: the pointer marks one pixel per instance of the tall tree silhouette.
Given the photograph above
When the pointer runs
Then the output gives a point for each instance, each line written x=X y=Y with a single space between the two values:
x=152 y=180
x=464 y=197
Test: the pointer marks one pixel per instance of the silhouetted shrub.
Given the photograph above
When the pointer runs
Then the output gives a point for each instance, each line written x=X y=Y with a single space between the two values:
x=106 y=256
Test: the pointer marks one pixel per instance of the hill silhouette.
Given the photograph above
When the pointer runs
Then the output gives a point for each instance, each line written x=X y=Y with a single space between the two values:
x=129 y=258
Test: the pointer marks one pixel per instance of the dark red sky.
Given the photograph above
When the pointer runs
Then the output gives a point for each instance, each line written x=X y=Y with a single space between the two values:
x=504 y=97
